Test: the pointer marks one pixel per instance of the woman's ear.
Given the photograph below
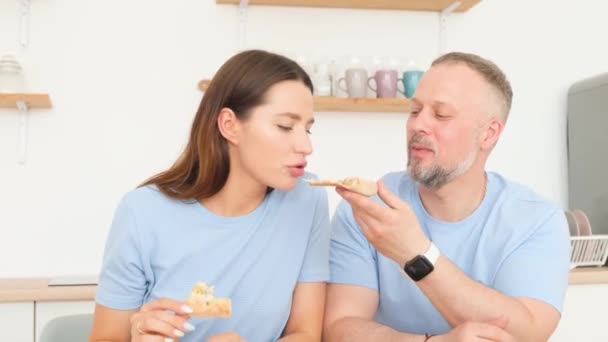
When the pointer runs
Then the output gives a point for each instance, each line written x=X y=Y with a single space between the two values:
x=228 y=124
x=492 y=133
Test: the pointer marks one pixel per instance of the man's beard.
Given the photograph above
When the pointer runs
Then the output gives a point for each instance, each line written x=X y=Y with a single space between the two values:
x=436 y=176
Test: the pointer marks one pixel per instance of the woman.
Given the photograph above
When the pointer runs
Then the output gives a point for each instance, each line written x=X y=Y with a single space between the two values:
x=234 y=212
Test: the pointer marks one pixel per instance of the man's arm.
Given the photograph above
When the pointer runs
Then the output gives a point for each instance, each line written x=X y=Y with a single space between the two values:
x=459 y=299
x=396 y=233
x=352 y=320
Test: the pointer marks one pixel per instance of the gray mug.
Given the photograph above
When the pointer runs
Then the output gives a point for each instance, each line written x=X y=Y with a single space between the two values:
x=356 y=82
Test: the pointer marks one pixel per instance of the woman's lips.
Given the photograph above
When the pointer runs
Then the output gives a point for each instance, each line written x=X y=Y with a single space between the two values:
x=297 y=170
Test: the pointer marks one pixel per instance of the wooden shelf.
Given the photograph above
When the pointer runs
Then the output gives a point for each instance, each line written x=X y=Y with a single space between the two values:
x=341 y=104
x=405 y=5
x=40 y=101
x=203 y=84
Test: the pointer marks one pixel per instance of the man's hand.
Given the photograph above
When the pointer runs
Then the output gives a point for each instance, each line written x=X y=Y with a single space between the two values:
x=475 y=331
x=393 y=231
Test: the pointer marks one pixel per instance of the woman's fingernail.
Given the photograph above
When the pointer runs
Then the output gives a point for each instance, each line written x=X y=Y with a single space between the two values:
x=178 y=333
x=189 y=326
x=187 y=309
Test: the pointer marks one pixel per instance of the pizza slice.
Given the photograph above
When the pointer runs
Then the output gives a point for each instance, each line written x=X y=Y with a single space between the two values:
x=204 y=304
x=354 y=184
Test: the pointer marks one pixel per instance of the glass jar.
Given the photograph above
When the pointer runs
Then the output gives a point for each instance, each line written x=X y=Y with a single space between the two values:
x=11 y=75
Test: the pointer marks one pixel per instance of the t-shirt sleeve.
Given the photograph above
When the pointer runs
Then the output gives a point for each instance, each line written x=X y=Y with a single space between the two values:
x=539 y=267
x=316 y=260
x=353 y=261
x=122 y=282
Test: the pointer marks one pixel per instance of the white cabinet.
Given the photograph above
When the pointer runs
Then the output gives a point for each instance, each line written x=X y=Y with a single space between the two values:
x=24 y=321
x=584 y=317
x=16 y=322
x=46 y=311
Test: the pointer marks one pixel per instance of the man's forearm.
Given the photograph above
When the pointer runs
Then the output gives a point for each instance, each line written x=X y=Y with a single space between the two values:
x=353 y=329
x=459 y=299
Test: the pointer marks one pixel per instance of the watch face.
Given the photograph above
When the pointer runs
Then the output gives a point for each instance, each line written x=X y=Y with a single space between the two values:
x=418 y=268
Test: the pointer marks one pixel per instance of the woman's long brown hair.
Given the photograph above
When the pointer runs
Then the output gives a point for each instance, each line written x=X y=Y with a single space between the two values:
x=240 y=84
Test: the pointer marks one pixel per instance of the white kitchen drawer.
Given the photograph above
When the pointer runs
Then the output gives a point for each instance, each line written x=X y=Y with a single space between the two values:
x=17 y=322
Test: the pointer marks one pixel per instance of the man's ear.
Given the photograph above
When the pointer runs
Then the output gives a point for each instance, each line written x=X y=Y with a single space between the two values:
x=228 y=124
x=492 y=133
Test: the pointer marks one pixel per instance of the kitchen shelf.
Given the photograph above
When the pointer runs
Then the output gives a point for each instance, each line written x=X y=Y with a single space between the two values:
x=32 y=101
x=23 y=103
x=405 y=5
x=342 y=104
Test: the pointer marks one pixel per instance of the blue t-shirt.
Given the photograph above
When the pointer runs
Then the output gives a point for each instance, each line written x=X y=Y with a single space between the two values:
x=160 y=247
x=514 y=242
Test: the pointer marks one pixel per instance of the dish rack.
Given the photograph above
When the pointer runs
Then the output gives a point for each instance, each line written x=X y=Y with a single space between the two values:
x=591 y=250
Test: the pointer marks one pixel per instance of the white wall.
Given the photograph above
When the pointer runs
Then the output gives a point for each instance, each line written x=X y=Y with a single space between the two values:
x=122 y=76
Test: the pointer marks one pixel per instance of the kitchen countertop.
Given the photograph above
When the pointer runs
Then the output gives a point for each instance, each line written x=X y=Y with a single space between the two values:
x=588 y=275
x=37 y=289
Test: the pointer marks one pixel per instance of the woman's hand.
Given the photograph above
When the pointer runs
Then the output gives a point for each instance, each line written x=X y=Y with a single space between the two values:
x=159 y=320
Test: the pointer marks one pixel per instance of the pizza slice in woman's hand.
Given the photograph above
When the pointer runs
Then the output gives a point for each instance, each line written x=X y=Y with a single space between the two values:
x=204 y=304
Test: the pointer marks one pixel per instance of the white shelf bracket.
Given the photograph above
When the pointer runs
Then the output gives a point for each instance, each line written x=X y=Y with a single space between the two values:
x=24 y=23
x=443 y=18
x=23 y=128
x=242 y=34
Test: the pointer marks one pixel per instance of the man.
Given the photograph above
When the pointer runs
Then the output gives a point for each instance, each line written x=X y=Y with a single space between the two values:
x=454 y=253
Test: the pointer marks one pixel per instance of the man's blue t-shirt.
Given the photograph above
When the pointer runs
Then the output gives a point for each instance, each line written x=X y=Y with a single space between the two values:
x=514 y=242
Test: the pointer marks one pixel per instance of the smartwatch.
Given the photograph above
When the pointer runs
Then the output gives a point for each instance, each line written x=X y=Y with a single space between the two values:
x=423 y=264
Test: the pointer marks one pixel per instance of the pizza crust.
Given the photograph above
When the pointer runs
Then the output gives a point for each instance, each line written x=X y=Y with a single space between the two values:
x=354 y=184
x=204 y=304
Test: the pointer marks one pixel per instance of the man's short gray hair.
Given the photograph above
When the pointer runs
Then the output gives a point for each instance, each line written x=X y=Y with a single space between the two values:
x=489 y=71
